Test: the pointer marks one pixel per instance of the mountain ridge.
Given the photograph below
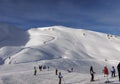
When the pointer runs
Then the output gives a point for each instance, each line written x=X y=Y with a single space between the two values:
x=58 y=45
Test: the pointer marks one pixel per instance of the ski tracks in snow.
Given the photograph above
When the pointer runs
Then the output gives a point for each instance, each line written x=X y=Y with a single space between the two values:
x=10 y=59
x=52 y=38
x=77 y=82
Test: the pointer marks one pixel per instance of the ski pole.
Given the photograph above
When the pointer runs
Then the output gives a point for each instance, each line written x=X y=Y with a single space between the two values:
x=107 y=78
x=63 y=81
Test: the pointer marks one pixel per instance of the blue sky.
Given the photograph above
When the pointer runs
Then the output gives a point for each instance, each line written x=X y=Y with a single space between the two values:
x=96 y=15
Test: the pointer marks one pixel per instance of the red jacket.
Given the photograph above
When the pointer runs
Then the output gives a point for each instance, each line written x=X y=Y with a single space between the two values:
x=105 y=71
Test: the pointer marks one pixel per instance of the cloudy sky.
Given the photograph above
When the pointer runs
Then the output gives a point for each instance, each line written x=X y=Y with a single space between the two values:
x=97 y=15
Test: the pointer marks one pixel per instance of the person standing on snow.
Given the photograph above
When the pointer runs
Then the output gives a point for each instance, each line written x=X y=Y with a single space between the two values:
x=56 y=71
x=92 y=73
x=118 y=67
x=48 y=68
x=71 y=69
x=35 y=71
x=113 y=72
x=60 y=77
x=106 y=73
x=40 y=67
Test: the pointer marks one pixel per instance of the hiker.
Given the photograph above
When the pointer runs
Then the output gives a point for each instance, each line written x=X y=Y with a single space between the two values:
x=118 y=67
x=60 y=77
x=92 y=73
x=56 y=71
x=35 y=71
x=106 y=73
x=113 y=72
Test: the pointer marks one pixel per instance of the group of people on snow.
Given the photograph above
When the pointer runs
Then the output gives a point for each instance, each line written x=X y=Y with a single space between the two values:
x=56 y=72
x=106 y=72
x=40 y=68
x=92 y=72
x=59 y=76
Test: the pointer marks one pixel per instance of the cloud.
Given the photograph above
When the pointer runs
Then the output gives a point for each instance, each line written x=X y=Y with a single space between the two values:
x=102 y=15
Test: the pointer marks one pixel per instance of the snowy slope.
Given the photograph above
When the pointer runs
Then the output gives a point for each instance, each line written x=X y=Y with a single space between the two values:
x=57 y=47
x=11 y=41
x=60 y=44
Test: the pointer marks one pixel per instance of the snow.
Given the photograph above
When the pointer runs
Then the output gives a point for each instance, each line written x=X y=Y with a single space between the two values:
x=57 y=47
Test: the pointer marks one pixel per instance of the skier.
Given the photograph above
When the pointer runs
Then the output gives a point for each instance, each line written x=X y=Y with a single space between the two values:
x=71 y=69
x=83 y=34
x=106 y=73
x=48 y=68
x=118 y=67
x=60 y=77
x=35 y=71
x=44 y=67
x=40 y=68
x=92 y=73
x=56 y=71
x=113 y=72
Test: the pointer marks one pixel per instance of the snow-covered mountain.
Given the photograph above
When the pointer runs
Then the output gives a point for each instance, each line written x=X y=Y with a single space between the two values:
x=58 y=47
